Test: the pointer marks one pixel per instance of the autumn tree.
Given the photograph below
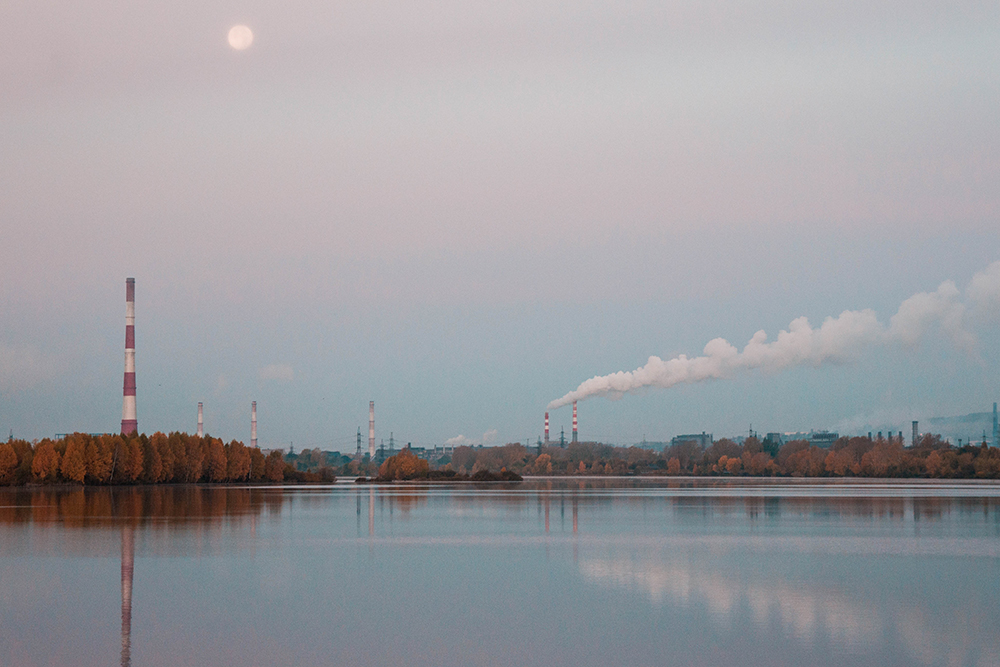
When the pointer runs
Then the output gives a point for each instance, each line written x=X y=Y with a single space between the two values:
x=685 y=453
x=274 y=467
x=839 y=462
x=99 y=456
x=720 y=448
x=179 y=447
x=788 y=449
x=215 y=461
x=760 y=464
x=257 y=463
x=129 y=465
x=152 y=462
x=238 y=461
x=463 y=457
x=194 y=459
x=734 y=466
x=74 y=466
x=168 y=462
x=25 y=457
x=45 y=463
x=8 y=463
x=405 y=465
x=542 y=465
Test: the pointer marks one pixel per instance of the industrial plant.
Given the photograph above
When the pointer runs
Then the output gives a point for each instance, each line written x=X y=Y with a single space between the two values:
x=591 y=456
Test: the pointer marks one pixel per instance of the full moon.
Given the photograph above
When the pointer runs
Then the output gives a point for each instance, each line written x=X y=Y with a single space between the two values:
x=240 y=37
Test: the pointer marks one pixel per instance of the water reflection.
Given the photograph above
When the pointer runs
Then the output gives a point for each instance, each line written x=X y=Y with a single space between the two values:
x=128 y=567
x=905 y=571
x=811 y=612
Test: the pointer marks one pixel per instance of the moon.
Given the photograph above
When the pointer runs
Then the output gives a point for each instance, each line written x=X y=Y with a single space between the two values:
x=240 y=37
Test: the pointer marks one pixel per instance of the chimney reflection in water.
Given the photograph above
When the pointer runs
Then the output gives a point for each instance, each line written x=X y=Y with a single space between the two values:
x=128 y=561
x=371 y=512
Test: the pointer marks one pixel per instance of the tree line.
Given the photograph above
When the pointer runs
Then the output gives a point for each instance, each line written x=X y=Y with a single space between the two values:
x=931 y=457
x=80 y=458
x=181 y=458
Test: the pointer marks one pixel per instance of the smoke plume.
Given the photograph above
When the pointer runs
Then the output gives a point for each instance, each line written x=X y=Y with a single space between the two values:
x=489 y=438
x=838 y=340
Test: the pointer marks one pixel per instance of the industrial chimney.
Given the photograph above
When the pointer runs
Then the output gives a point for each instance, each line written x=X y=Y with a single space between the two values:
x=574 y=422
x=253 y=424
x=546 y=428
x=129 y=423
x=913 y=443
x=371 y=429
x=201 y=421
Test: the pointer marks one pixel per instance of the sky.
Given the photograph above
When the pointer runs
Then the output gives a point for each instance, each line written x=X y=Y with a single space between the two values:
x=463 y=211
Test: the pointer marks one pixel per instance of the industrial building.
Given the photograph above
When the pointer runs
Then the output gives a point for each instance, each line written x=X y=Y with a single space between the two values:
x=703 y=440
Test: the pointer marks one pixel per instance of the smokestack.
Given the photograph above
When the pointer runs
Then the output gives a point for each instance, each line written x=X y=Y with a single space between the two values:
x=201 y=421
x=371 y=429
x=547 y=428
x=253 y=424
x=915 y=434
x=129 y=423
x=574 y=422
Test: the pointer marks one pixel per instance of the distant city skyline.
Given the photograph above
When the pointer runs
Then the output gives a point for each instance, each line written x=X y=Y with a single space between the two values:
x=463 y=212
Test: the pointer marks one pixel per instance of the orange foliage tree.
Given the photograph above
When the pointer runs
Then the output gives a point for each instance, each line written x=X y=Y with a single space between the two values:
x=8 y=463
x=274 y=467
x=45 y=464
x=74 y=465
x=405 y=465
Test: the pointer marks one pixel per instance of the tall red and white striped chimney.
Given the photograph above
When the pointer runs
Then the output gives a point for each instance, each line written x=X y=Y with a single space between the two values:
x=574 y=421
x=253 y=424
x=371 y=429
x=129 y=423
x=201 y=421
x=546 y=428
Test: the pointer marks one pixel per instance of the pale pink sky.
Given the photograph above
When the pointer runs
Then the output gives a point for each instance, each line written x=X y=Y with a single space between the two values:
x=464 y=209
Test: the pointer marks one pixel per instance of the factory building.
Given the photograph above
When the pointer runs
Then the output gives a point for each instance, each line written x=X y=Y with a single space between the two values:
x=703 y=440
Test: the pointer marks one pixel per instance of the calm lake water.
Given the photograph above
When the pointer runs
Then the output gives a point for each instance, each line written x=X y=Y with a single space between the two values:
x=545 y=572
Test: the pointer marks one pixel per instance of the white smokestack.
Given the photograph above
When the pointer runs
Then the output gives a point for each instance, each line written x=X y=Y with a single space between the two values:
x=201 y=421
x=371 y=429
x=574 y=422
x=129 y=423
x=253 y=424
x=837 y=340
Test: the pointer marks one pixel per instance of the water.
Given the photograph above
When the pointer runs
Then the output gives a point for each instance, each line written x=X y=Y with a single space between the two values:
x=546 y=572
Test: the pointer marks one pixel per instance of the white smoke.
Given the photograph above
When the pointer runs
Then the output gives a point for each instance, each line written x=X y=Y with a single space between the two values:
x=838 y=340
x=984 y=290
x=488 y=439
